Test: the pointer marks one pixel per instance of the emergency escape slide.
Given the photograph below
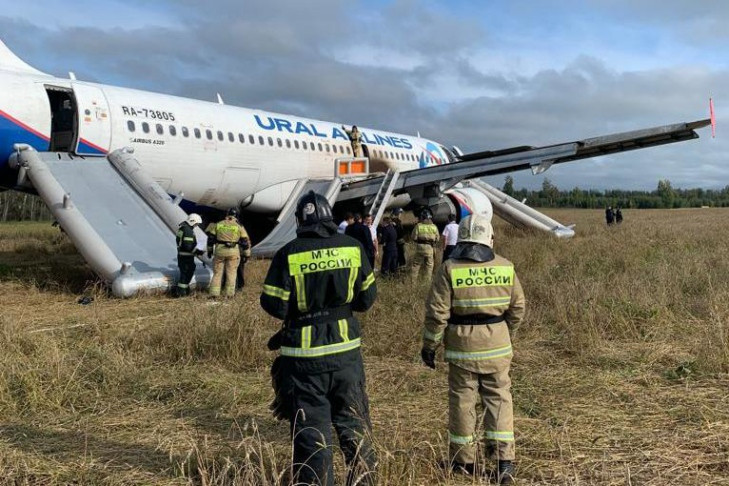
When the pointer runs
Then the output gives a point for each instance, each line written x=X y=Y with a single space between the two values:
x=122 y=221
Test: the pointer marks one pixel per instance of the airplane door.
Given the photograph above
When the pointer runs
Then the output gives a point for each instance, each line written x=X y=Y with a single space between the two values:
x=94 y=123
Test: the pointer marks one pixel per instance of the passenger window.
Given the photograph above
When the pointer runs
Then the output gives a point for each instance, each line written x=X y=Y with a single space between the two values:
x=185 y=132
x=311 y=146
x=231 y=137
x=241 y=138
x=160 y=129
x=145 y=127
x=288 y=143
x=348 y=151
x=334 y=149
x=270 y=141
x=303 y=145
x=197 y=133
x=326 y=145
x=296 y=144
x=252 y=139
x=209 y=134
x=321 y=149
x=221 y=137
x=280 y=143
x=173 y=131
x=130 y=126
x=261 y=141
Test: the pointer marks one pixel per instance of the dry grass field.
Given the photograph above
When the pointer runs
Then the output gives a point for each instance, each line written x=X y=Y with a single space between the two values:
x=621 y=372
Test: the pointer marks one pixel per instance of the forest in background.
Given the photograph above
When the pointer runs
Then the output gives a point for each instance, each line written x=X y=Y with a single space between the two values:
x=665 y=196
x=16 y=206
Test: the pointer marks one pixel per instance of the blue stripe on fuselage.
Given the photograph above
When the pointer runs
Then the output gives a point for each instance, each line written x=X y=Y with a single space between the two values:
x=12 y=133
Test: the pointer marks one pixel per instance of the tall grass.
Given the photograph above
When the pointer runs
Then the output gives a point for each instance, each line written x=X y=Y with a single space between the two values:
x=620 y=372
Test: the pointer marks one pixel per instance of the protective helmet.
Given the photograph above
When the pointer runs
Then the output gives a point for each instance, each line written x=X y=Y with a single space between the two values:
x=397 y=211
x=476 y=228
x=426 y=214
x=232 y=212
x=313 y=209
x=194 y=219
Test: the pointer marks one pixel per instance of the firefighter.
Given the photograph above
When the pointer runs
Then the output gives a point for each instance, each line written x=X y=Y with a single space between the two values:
x=224 y=239
x=356 y=138
x=313 y=285
x=425 y=236
x=474 y=303
x=186 y=252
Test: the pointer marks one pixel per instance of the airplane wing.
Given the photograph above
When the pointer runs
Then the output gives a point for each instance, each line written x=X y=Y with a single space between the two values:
x=539 y=159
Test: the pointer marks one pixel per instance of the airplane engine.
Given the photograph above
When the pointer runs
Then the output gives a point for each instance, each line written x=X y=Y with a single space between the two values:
x=468 y=200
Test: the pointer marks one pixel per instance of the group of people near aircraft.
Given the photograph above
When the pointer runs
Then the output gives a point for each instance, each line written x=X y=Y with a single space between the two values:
x=316 y=283
x=228 y=245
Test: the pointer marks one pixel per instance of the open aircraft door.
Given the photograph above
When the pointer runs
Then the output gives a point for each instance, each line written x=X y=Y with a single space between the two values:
x=94 y=122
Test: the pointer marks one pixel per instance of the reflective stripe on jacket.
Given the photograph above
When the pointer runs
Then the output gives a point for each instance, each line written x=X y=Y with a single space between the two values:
x=308 y=278
x=484 y=291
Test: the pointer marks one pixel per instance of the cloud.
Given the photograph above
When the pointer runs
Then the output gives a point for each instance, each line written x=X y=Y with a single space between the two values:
x=477 y=76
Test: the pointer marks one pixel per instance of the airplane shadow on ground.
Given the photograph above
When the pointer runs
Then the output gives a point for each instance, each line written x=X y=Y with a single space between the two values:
x=76 y=447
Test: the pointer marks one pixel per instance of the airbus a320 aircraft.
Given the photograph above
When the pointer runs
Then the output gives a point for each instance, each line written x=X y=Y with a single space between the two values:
x=114 y=166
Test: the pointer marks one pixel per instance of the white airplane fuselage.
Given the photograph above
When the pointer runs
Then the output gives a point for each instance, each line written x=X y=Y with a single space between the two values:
x=216 y=155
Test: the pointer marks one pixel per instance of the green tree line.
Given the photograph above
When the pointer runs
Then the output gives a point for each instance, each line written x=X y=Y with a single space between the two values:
x=664 y=196
x=17 y=206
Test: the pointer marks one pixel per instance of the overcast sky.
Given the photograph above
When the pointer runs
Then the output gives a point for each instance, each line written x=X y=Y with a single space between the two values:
x=476 y=74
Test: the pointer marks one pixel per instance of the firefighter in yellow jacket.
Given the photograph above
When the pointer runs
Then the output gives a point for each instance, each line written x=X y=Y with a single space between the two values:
x=474 y=302
x=425 y=235
x=227 y=241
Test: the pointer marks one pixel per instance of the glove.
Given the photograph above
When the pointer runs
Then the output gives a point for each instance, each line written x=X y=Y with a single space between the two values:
x=275 y=342
x=198 y=252
x=428 y=357
x=210 y=253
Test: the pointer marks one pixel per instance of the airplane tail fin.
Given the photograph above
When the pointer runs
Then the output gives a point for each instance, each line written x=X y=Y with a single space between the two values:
x=11 y=62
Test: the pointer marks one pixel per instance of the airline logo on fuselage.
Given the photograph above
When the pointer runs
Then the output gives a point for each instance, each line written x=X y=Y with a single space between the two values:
x=298 y=127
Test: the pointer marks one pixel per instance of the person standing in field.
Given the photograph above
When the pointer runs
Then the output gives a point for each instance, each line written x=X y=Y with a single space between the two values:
x=609 y=216
x=425 y=237
x=388 y=238
x=474 y=302
x=618 y=215
x=450 y=236
x=314 y=284
x=400 y=230
x=362 y=233
x=186 y=253
x=224 y=238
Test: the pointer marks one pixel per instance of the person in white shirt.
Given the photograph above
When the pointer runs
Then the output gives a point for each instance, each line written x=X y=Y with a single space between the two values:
x=450 y=236
x=348 y=219
x=373 y=231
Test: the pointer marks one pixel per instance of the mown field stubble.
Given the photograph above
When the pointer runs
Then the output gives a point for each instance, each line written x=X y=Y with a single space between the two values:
x=620 y=374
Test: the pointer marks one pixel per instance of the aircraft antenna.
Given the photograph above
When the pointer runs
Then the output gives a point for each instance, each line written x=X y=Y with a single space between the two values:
x=71 y=76
x=220 y=99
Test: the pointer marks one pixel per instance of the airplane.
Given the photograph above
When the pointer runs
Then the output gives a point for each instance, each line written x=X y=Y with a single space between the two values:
x=208 y=156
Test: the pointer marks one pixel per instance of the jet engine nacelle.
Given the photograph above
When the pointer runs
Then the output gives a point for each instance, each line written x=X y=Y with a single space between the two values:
x=469 y=200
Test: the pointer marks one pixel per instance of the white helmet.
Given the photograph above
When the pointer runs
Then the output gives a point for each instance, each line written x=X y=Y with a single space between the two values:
x=476 y=228
x=194 y=219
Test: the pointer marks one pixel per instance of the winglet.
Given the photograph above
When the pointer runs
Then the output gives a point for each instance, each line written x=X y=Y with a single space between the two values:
x=713 y=118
